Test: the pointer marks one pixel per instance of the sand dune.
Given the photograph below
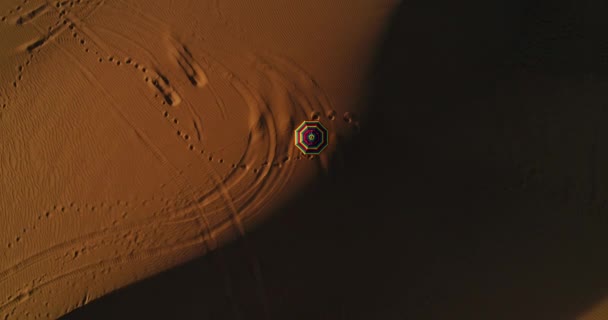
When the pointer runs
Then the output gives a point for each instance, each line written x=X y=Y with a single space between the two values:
x=137 y=135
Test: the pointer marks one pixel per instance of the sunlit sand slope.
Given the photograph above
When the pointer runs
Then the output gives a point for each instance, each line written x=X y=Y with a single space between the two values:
x=137 y=135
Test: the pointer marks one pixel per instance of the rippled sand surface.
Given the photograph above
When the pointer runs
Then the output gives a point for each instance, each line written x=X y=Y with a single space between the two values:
x=137 y=135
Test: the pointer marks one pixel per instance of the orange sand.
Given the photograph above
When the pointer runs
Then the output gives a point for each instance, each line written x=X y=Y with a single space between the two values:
x=137 y=135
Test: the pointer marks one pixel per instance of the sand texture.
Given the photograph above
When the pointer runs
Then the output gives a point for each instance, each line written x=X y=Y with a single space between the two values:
x=137 y=135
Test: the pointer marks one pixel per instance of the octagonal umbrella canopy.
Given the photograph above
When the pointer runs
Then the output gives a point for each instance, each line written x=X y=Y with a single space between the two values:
x=311 y=137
